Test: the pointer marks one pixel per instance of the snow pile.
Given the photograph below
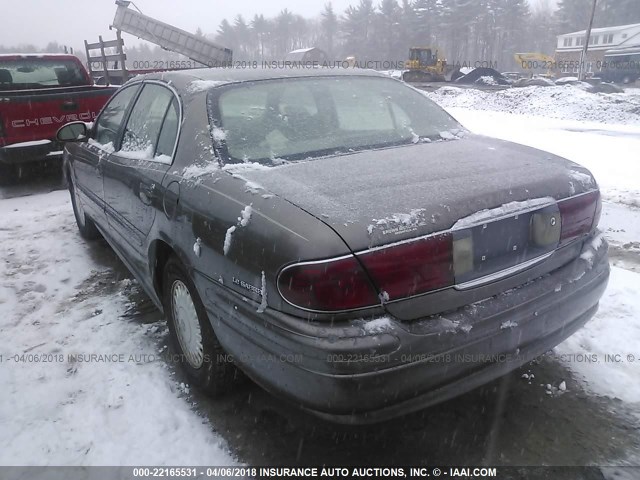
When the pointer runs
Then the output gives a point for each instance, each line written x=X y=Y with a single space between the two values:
x=487 y=80
x=608 y=151
x=568 y=102
x=58 y=308
x=614 y=331
x=393 y=73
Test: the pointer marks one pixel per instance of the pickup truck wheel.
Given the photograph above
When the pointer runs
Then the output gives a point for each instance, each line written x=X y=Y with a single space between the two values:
x=86 y=227
x=200 y=354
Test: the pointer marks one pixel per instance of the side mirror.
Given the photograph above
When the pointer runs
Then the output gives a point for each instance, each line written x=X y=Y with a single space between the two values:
x=73 y=132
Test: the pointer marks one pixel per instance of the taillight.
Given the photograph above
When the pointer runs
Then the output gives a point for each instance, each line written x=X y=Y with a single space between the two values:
x=417 y=266
x=579 y=215
x=412 y=268
x=399 y=271
x=331 y=285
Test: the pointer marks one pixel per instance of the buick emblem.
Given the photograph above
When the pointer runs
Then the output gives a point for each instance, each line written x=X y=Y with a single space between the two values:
x=553 y=221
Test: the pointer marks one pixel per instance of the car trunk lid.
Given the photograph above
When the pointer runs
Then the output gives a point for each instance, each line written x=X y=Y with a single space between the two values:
x=484 y=193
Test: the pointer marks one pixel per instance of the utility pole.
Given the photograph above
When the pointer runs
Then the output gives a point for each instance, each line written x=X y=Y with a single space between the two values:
x=583 y=55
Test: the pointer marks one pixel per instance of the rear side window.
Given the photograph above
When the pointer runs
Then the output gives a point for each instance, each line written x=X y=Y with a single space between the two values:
x=109 y=121
x=26 y=73
x=142 y=132
x=168 y=133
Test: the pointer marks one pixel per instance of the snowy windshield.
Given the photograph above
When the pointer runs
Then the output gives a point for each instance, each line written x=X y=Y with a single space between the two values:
x=307 y=117
x=26 y=73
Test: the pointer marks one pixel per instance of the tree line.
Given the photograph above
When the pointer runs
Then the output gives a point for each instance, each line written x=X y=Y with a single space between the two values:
x=464 y=31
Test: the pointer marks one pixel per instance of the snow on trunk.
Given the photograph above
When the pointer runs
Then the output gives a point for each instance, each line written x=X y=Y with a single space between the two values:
x=502 y=210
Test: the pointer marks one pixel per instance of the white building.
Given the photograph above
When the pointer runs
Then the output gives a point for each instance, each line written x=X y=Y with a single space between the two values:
x=570 y=45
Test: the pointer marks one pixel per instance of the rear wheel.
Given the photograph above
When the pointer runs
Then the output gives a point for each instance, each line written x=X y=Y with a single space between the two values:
x=86 y=227
x=199 y=353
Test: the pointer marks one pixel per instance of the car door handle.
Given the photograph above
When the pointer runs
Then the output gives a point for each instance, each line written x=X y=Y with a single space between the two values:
x=69 y=105
x=147 y=193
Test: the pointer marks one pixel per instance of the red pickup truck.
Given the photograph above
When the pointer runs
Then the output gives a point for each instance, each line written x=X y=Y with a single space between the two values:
x=38 y=94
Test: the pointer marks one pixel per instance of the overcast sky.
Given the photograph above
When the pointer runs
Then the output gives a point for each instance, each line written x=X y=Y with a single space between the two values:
x=70 y=22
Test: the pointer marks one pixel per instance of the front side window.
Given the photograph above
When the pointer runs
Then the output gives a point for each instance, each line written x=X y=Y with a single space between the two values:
x=109 y=121
x=308 y=117
x=142 y=132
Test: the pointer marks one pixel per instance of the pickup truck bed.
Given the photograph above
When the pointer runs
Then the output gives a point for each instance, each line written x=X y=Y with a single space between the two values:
x=32 y=111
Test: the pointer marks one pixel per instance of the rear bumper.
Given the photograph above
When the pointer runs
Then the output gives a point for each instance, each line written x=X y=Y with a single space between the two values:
x=28 y=153
x=365 y=372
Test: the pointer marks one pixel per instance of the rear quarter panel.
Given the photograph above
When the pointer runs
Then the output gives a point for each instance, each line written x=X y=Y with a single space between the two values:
x=277 y=232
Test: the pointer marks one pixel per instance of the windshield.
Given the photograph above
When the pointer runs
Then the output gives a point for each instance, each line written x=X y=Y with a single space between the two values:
x=306 y=117
x=26 y=73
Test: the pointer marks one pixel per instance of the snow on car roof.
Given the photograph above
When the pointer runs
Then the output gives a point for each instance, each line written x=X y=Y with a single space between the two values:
x=222 y=76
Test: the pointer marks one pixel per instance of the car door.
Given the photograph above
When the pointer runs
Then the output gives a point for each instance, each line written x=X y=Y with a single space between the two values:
x=133 y=173
x=88 y=157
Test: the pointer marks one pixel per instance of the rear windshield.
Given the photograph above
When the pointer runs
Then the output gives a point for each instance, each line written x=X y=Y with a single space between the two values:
x=308 y=117
x=26 y=73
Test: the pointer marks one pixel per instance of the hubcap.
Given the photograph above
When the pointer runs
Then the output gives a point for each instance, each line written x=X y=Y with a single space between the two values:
x=186 y=323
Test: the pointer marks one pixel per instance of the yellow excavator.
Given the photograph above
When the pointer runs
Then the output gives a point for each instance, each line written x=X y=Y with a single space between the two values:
x=424 y=66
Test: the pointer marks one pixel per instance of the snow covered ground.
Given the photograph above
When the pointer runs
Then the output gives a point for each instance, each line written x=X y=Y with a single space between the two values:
x=561 y=120
x=610 y=151
x=566 y=102
x=59 y=405
x=124 y=406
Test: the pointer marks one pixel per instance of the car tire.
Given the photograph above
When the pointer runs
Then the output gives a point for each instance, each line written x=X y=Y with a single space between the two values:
x=86 y=227
x=200 y=355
